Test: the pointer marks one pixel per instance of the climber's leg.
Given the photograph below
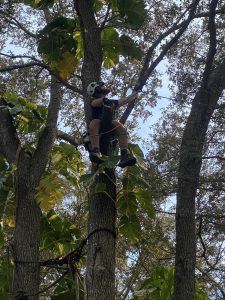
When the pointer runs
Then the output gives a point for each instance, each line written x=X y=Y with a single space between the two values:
x=126 y=158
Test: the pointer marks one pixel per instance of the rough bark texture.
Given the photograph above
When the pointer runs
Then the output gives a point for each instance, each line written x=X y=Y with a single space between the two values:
x=194 y=135
x=100 y=278
x=91 y=33
x=203 y=105
x=25 y=248
x=29 y=169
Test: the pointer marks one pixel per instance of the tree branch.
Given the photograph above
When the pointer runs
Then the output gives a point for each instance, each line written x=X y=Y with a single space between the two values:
x=214 y=156
x=212 y=44
x=13 y=21
x=37 y=63
x=68 y=138
x=45 y=143
x=146 y=69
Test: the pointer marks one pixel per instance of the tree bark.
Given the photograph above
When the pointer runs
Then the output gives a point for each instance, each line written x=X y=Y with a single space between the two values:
x=100 y=276
x=92 y=62
x=25 y=248
x=100 y=273
x=193 y=139
x=25 y=244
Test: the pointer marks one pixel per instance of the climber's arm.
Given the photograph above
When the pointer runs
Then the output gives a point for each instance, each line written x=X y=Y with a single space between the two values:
x=97 y=102
x=128 y=99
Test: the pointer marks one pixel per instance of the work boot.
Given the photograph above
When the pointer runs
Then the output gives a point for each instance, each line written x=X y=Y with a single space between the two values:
x=126 y=159
x=95 y=156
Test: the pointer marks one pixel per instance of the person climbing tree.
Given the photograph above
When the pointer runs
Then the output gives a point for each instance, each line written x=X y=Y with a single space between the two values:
x=98 y=92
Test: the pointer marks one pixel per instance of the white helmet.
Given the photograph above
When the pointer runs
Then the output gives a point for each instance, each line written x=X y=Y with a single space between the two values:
x=91 y=88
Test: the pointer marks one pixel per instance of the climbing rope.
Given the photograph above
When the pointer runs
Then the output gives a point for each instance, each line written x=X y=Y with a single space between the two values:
x=71 y=260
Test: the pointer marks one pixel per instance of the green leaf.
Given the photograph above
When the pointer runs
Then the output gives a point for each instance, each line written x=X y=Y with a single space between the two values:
x=127 y=204
x=109 y=162
x=138 y=153
x=145 y=199
x=50 y=191
x=58 y=43
x=130 y=228
x=111 y=47
x=129 y=48
x=133 y=12
x=100 y=188
x=136 y=150
x=87 y=179
x=3 y=164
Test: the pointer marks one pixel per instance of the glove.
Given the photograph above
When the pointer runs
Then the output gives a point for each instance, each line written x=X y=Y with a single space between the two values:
x=111 y=103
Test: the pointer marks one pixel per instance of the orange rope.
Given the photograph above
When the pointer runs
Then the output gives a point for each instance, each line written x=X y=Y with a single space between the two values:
x=120 y=125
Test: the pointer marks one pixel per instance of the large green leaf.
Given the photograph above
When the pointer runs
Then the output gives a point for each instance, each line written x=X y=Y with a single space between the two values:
x=145 y=199
x=58 y=233
x=127 y=204
x=133 y=12
x=58 y=45
x=29 y=117
x=50 y=191
x=130 y=228
x=115 y=45
x=129 y=48
x=159 y=286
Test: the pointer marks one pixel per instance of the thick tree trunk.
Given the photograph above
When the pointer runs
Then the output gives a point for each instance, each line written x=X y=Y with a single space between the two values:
x=91 y=33
x=189 y=168
x=25 y=247
x=100 y=274
x=100 y=277
x=29 y=169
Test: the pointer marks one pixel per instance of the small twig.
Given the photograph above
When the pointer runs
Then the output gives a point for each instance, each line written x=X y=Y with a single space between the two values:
x=215 y=157
x=49 y=286
x=106 y=17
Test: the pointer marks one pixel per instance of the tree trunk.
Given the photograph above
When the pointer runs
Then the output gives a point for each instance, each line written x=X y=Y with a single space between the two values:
x=193 y=139
x=30 y=167
x=25 y=247
x=100 y=276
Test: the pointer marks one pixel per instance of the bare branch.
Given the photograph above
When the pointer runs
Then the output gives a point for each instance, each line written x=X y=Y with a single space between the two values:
x=212 y=44
x=106 y=17
x=212 y=280
x=146 y=69
x=15 y=22
x=214 y=156
x=45 y=143
x=38 y=63
x=70 y=139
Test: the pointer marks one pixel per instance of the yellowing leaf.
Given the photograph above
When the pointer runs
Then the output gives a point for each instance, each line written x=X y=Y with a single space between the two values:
x=24 y=119
x=10 y=221
x=50 y=191
x=56 y=157
x=60 y=247
x=67 y=65
x=80 y=48
x=108 y=63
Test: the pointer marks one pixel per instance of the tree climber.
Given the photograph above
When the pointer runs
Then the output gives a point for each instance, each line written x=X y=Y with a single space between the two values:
x=98 y=92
